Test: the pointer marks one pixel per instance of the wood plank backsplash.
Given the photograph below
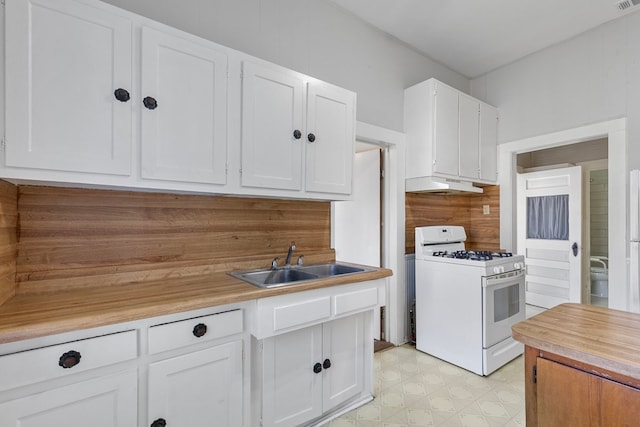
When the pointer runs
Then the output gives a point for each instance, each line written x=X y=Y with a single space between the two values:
x=483 y=231
x=8 y=246
x=81 y=238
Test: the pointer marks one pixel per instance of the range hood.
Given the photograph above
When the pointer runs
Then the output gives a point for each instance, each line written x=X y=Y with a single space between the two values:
x=434 y=184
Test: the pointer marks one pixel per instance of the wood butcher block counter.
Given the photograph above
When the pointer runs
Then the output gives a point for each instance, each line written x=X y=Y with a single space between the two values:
x=35 y=315
x=582 y=366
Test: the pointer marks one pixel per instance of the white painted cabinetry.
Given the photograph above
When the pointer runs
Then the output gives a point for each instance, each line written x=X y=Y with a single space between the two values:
x=201 y=387
x=313 y=353
x=183 y=108
x=69 y=398
x=64 y=62
x=186 y=369
x=297 y=133
x=96 y=95
x=310 y=371
x=450 y=135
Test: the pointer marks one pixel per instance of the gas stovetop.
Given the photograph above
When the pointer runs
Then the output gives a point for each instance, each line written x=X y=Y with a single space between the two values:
x=472 y=255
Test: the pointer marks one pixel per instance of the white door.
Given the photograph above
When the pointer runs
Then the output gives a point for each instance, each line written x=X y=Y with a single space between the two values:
x=329 y=139
x=203 y=388
x=343 y=360
x=272 y=128
x=292 y=381
x=550 y=234
x=64 y=63
x=356 y=223
x=110 y=401
x=184 y=134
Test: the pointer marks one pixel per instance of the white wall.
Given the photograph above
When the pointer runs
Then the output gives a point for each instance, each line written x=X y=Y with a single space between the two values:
x=314 y=37
x=591 y=78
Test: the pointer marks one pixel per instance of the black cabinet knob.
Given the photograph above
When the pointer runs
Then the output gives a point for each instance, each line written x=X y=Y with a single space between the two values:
x=317 y=368
x=160 y=422
x=69 y=359
x=297 y=134
x=199 y=330
x=121 y=95
x=311 y=137
x=150 y=103
x=326 y=364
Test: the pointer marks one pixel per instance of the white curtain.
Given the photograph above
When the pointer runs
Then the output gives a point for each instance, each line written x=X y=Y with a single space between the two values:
x=548 y=217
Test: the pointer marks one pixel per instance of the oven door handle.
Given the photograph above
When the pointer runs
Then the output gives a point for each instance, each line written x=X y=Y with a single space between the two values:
x=502 y=279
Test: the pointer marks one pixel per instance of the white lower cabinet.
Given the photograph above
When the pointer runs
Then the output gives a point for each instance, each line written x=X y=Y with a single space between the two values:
x=203 y=388
x=110 y=401
x=308 y=372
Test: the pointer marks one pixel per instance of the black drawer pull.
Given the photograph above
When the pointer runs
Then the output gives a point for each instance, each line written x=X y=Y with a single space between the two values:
x=69 y=359
x=160 y=422
x=199 y=330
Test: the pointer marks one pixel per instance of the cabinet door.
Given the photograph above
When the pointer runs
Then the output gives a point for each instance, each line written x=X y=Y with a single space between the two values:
x=488 y=143
x=202 y=389
x=445 y=131
x=292 y=391
x=343 y=347
x=272 y=112
x=103 y=402
x=330 y=139
x=469 y=136
x=184 y=137
x=64 y=62
x=570 y=397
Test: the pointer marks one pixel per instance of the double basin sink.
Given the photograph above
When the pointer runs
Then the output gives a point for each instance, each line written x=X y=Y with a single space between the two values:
x=296 y=274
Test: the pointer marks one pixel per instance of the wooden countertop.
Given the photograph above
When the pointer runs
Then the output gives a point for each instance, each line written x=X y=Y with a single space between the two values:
x=602 y=337
x=36 y=315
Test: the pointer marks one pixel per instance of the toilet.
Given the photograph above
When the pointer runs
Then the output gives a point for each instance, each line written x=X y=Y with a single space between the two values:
x=599 y=276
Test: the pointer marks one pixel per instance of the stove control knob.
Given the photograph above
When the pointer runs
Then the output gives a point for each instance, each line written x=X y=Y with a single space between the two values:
x=498 y=269
x=518 y=265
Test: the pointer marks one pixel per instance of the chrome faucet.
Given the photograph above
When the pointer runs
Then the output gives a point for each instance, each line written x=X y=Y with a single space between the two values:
x=287 y=262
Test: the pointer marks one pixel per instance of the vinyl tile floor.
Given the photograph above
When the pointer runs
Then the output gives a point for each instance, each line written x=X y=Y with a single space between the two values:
x=412 y=388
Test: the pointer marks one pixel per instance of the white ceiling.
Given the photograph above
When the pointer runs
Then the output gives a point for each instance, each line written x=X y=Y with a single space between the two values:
x=474 y=37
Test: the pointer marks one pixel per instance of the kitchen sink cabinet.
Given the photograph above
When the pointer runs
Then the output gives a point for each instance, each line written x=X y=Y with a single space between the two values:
x=312 y=370
x=298 y=134
x=450 y=134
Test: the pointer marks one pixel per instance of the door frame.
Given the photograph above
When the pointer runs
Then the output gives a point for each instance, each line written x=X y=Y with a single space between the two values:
x=393 y=217
x=616 y=133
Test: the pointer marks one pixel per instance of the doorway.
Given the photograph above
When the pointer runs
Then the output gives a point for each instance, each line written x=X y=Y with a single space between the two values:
x=615 y=131
x=592 y=157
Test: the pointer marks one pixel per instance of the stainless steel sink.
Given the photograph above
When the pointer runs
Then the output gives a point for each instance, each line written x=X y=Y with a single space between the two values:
x=333 y=269
x=295 y=274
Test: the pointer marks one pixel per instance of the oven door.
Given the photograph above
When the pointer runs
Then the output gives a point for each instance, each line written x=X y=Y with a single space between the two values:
x=502 y=305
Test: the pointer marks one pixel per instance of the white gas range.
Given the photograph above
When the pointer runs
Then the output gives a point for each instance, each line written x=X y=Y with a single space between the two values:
x=466 y=301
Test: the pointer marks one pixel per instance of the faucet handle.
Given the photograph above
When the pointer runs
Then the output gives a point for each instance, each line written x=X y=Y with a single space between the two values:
x=274 y=263
x=300 y=261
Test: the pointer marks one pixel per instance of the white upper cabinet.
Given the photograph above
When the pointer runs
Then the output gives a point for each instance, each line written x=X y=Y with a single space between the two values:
x=64 y=63
x=272 y=126
x=330 y=139
x=488 y=142
x=297 y=133
x=450 y=134
x=96 y=95
x=184 y=112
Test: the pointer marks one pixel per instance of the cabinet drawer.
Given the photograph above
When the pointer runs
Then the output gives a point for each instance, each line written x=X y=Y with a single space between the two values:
x=354 y=301
x=178 y=334
x=32 y=366
x=304 y=312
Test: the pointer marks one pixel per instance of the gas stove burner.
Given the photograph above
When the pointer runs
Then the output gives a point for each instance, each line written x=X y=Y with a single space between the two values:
x=473 y=255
